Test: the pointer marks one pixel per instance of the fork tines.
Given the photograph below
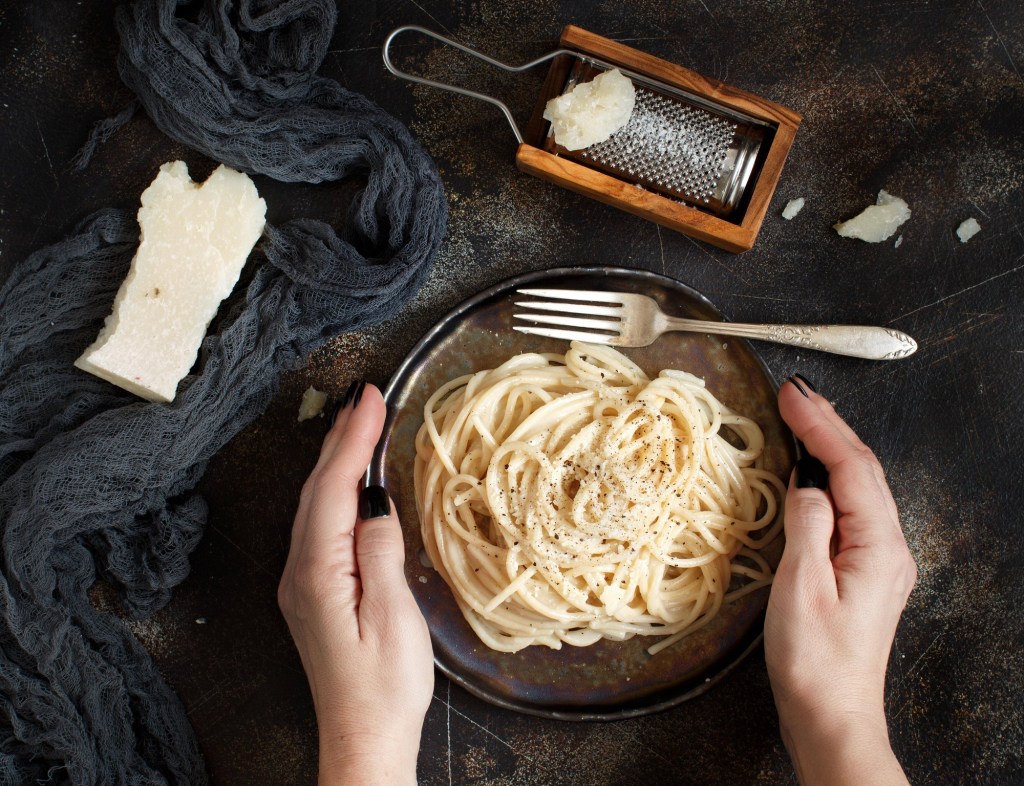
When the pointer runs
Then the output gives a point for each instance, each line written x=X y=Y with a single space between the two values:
x=607 y=329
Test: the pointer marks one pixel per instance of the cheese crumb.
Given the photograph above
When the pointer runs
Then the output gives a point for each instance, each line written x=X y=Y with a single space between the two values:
x=876 y=222
x=968 y=229
x=792 y=207
x=312 y=404
x=194 y=241
x=592 y=111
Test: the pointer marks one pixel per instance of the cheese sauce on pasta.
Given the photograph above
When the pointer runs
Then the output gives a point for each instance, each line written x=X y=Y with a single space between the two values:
x=571 y=498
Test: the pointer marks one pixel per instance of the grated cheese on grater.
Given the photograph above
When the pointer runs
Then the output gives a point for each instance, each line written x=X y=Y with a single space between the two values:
x=591 y=112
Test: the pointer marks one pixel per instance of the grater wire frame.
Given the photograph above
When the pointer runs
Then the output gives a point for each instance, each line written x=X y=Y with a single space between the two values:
x=634 y=76
x=475 y=53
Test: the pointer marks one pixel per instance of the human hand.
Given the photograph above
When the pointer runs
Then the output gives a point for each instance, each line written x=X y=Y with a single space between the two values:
x=831 y=619
x=362 y=639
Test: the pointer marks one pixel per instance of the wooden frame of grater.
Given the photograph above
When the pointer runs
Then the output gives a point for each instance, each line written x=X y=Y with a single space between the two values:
x=736 y=236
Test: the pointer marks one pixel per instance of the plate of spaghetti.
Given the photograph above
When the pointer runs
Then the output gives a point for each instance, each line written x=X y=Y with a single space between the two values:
x=590 y=533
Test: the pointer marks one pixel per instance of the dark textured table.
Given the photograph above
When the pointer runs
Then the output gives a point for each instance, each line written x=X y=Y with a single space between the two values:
x=922 y=98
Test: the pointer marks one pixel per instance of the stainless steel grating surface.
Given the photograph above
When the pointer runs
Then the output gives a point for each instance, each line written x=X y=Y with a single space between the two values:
x=668 y=144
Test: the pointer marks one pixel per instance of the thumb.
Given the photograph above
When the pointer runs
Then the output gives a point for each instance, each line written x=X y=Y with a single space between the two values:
x=809 y=523
x=380 y=550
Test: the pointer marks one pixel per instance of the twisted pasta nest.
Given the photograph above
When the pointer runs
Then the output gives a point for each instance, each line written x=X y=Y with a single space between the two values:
x=571 y=498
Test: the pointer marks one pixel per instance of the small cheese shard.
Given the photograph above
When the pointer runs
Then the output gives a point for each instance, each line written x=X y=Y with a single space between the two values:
x=792 y=207
x=592 y=111
x=193 y=244
x=968 y=229
x=876 y=222
x=312 y=404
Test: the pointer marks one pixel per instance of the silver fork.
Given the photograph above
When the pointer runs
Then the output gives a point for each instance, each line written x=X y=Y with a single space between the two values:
x=627 y=320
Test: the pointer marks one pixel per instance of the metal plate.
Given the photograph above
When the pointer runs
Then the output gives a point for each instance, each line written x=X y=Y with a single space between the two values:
x=607 y=680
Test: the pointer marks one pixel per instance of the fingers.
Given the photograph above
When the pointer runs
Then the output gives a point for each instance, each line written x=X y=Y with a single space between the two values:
x=348 y=448
x=862 y=500
x=815 y=423
x=327 y=504
x=339 y=421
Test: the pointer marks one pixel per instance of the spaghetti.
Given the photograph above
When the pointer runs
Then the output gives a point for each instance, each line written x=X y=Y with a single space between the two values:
x=571 y=498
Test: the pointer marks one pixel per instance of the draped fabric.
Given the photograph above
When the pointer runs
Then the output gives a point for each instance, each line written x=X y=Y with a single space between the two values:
x=98 y=485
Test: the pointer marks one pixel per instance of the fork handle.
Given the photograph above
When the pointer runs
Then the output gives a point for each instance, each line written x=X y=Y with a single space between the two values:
x=859 y=341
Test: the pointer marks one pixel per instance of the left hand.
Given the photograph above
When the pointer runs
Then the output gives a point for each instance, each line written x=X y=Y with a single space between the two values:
x=362 y=639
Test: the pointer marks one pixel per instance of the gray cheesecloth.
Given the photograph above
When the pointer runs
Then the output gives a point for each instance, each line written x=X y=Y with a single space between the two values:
x=96 y=484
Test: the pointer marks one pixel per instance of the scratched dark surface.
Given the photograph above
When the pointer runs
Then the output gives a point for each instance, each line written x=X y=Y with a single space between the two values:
x=924 y=99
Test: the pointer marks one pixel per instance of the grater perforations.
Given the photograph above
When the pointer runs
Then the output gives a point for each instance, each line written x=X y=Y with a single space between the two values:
x=668 y=144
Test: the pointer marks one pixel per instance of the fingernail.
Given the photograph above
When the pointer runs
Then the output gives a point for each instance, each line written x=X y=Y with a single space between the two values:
x=806 y=381
x=374 y=503
x=797 y=385
x=343 y=402
x=358 y=394
x=348 y=393
x=810 y=473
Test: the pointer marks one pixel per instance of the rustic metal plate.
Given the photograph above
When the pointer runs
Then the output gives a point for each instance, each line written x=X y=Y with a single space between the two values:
x=607 y=680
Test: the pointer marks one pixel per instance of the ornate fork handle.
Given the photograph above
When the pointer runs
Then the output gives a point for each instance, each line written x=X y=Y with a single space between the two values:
x=873 y=343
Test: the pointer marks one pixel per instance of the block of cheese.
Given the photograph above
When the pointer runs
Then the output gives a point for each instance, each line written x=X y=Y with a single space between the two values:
x=194 y=241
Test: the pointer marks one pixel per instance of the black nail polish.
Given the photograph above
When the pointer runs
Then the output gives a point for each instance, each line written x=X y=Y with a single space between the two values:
x=806 y=381
x=793 y=379
x=810 y=473
x=348 y=393
x=374 y=503
x=343 y=401
x=358 y=394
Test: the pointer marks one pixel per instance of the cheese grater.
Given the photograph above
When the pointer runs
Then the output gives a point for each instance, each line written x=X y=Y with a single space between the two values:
x=696 y=155
x=675 y=145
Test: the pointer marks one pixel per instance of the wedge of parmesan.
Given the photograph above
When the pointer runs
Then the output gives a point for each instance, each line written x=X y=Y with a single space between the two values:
x=194 y=241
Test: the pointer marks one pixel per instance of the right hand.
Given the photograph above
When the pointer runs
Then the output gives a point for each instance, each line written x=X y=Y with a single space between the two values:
x=832 y=616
